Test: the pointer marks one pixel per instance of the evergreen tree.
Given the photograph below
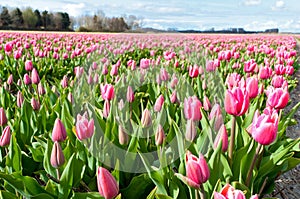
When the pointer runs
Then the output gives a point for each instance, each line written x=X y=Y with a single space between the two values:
x=17 y=18
x=5 y=18
x=39 y=22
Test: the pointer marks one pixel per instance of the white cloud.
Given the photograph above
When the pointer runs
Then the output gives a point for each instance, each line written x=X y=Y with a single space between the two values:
x=252 y=2
x=278 y=5
x=75 y=9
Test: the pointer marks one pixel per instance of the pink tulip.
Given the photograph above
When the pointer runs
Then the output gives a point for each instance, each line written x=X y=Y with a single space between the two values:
x=265 y=72
x=35 y=104
x=252 y=86
x=57 y=156
x=59 y=132
x=197 y=171
x=191 y=131
x=278 y=81
x=277 y=97
x=64 y=82
x=159 y=136
x=264 y=127
x=5 y=137
x=236 y=101
x=144 y=63
x=191 y=109
x=107 y=185
x=193 y=71
x=35 y=76
x=114 y=70
x=280 y=69
x=222 y=136
x=3 y=118
x=229 y=192
x=107 y=91
x=84 y=128
x=159 y=103
x=130 y=94
x=173 y=97
x=146 y=119
x=8 y=47
x=250 y=66
x=27 y=79
x=106 y=108
x=232 y=80
x=216 y=116
x=20 y=99
x=123 y=136
x=10 y=79
x=206 y=103
x=41 y=89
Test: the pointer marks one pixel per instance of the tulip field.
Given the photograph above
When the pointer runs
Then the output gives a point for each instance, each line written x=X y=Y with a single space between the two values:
x=145 y=115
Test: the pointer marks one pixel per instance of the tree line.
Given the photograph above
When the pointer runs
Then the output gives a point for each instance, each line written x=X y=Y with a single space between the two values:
x=29 y=19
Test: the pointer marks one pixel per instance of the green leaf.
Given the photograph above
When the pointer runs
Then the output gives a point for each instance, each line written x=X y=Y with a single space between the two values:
x=139 y=187
x=89 y=195
x=46 y=162
x=14 y=156
x=7 y=195
x=162 y=196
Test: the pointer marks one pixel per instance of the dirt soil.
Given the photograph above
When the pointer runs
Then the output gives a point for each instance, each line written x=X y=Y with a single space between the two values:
x=287 y=186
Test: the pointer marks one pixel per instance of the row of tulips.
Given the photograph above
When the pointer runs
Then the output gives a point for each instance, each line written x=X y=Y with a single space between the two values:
x=145 y=116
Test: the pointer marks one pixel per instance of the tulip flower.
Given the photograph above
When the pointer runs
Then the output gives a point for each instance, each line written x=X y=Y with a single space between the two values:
x=107 y=185
x=146 y=118
x=216 y=116
x=3 y=118
x=192 y=107
x=20 y=99
x=159 y=136
x=84 y=128
x=159 y=103
x=191 y=130
x=5 y=137
x=197 y=171
x=229 y=192
x=144 y=63
x=206 y=103
x=28 y=65
x=264 y=127
x=57 y=156
x=123 y=136
x=10 y=80
x=236 y=101
x=64 y=82
x=130 y=94
x=252 y=86
x=277 y=97
x=278 y=81
x=35 y=76
x=35 y=104
x=114 y=70
x=106 y=109
x=27 y=79
x=193 y=71
x=173 y=97
x=107 y=91
x=265 y=72
x=59 y=132
x=222 y=136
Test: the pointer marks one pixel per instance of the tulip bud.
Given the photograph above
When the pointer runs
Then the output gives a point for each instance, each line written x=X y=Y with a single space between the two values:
x=191 y=130
x=41 y=89
x=146 y=118
x=5 y=137
x=64 y=82
x=57 y=156
x=70 y=97
x=35 y=76
x=222 y=136
x=123 y=136
x=236 y=101
x=107 y=185
x=159 y=136
x=84 y=128
x=106 y=109
x=159 y=103
x=20 y=99
x=28 y=65
x=10 y=80
x=35 y=104
x=3 y=118
x=27 y=79
x=191 y=108
x=130 y=94
x=107 y=91
x=173 y=97
x=206 y=103
x=59 y=132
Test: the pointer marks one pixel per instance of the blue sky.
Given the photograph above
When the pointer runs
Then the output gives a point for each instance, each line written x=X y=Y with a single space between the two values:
x=188 y=14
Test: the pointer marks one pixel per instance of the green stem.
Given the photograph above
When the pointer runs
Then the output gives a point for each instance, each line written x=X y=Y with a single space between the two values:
x=232 y=138
x=250 y=171
x=201 y=192
x=58 y=174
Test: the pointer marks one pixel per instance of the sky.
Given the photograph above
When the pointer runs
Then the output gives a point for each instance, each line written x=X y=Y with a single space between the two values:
x=188 y=14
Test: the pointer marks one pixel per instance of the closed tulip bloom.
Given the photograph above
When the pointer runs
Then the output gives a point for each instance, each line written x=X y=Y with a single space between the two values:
x=20 y=99
x=64 y=82
x=35 y=76
x=164 y=75
x=5 y=137
x=191 y=131
x=130 y=94
x=277 y=97
x=173 y=97
x=41 y=89
x=28 y=65
x=146 y=119
x=35 y=104
x=27 y=79
x=159 y=136
x=114 y=70
x=216 y=116
x=193 y=71
x=144 y=63
x=10 y=80
x=57 y=156
x=159 y=103
x=250 y=66
x=107 y=184
x=236 y=101
x=106 y=109
x=59 y=132
x=123 y=136
x=107 y=91
x=3 y=118
x=265 y=72
x=222 y=136
x=264 y=127
x=197 y=171
x=252 y=87
x=206 y=103
x=84 y=127
x=278 y=81
x=192 y=107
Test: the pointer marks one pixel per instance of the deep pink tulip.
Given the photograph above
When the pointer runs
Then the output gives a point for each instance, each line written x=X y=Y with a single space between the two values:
x=222 y=136
x=252 y=86
x=216 y=116
x=10 y=80
x=264 y=127
x=197 y=171
x=5 y=137
x=280 y=69
x=107 y=91
x=191 y=109
x=130 y=94
x=8 y=47
x=3 y=118
x=35 y=104
x=265 y=72
x=229 y=192
x=114 y=70
x=20 y=99
x=206 y=103
x=193 y=71
x=106 y=108
x=35 y=76
x=57 y=156
x=159 y=136
x=278 y=81
x=144 y=63
x=236 y=101
x=250 y=66
x=27 y=79
x=107 y=184
x=59 y=132
x=84 y=127
x=173 y=97
x=278 y=98
x=159 y=103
